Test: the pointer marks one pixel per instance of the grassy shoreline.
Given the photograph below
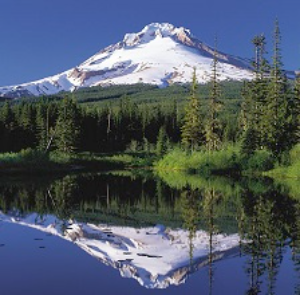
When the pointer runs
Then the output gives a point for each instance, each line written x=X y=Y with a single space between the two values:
x=35 y=162
x=227 y=162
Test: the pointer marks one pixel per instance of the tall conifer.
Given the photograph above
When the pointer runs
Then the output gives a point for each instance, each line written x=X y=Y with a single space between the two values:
x=67 y=126
x=297 y=109
x=254 y=98
x=42 y=126
x=191 y=131
x=276 y=99
x=213 y=125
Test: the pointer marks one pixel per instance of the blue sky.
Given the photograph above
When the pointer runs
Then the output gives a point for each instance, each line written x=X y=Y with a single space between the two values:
x=44 y=37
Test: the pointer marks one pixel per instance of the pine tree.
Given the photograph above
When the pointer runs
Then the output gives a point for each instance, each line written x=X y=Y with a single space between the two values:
x=254 y=97
x=296 y=107
x=276 y=99
x=249 y=142
x=42 y=127
x=7 y=116
x=161 y=143
x=259 y=88
x=191 y=131
x=26 y=123
x=213 y=125
x=9 y=126
x=245 y=108
x=67 y=126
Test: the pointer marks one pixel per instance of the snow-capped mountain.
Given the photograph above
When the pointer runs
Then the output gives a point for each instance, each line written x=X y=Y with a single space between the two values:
x=160 y=54
x=156 y=257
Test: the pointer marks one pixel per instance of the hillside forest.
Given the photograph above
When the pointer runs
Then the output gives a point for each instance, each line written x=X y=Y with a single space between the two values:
x=257 y=117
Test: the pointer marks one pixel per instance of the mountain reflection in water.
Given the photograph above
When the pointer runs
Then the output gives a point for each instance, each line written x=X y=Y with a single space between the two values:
x=159 y=231
x=155 y=256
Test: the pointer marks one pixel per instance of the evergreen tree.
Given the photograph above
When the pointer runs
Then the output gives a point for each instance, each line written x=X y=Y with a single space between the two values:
x=161 y=144
x=27 y=125
x=213 y=125
x=254 y=97
x=249 y=142
x=259 y=88
x=245 y=108
x=67 y=126
x=276 y=100
x=42 y=127
x=296 y=107
x=9 y=127
x=191 y=131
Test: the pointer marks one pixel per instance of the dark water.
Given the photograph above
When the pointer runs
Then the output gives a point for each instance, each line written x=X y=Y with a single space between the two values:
x=264 y=215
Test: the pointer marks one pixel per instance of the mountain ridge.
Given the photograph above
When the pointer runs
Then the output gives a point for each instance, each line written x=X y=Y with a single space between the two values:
x=160 y=54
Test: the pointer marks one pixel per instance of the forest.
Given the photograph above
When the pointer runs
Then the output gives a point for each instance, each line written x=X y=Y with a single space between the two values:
x=225 y=126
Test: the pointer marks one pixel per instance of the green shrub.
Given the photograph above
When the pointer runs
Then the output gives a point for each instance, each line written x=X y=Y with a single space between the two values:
x=60 y=157
x=201 y=161
x=35 y=156
x=9 y=158
x=295 y=154
x=27 y=159
x=260 y=161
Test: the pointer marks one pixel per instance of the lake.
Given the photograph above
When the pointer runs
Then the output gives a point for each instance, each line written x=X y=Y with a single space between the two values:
x=132 y=232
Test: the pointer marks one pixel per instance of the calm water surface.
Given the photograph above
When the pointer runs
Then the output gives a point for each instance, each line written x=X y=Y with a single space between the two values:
x=130 y=233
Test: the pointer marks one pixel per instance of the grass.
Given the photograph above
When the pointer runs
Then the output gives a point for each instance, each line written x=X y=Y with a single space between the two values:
x=23 y=158
x=228 y=162
x=34 y=161
x=205 y=163
x=292 y=170
x=131 y=160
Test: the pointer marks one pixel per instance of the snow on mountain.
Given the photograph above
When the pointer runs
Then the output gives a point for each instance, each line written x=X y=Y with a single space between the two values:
x=156 y=257
x=160 y=54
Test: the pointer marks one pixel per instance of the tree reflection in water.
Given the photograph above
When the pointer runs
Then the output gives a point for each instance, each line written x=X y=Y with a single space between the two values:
x=266 y=215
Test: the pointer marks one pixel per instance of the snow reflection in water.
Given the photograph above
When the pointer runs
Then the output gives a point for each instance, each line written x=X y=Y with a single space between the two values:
x=155 y=256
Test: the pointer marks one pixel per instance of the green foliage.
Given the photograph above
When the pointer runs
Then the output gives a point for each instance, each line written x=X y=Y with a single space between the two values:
x=295 y=154
x=143 y=93
x=268 y=110
x=161 y=144
x=109 y=126
x=143 y=118
x=67 y=127
x=276 y=100
x=130 y=159
x=60 y=157
x=27 y=159
x=249 y=142
x=201 y=161
x=295 y=111
x=213 y=125
x=261 y=160
x=42 y=127
x=290 y=171
x=192 y=128
x=254 y=108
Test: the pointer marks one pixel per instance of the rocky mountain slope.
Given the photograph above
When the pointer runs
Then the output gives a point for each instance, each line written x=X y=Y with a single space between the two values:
x=160 y=54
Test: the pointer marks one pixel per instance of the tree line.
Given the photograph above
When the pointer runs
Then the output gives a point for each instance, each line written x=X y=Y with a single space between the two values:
x=71 y=127
x=267 y=117
x=270 y=115
x=270 y=112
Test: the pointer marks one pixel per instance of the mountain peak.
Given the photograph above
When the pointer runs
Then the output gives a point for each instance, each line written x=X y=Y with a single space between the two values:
x=152 y=31
x=163 y=27
x=160 y=54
